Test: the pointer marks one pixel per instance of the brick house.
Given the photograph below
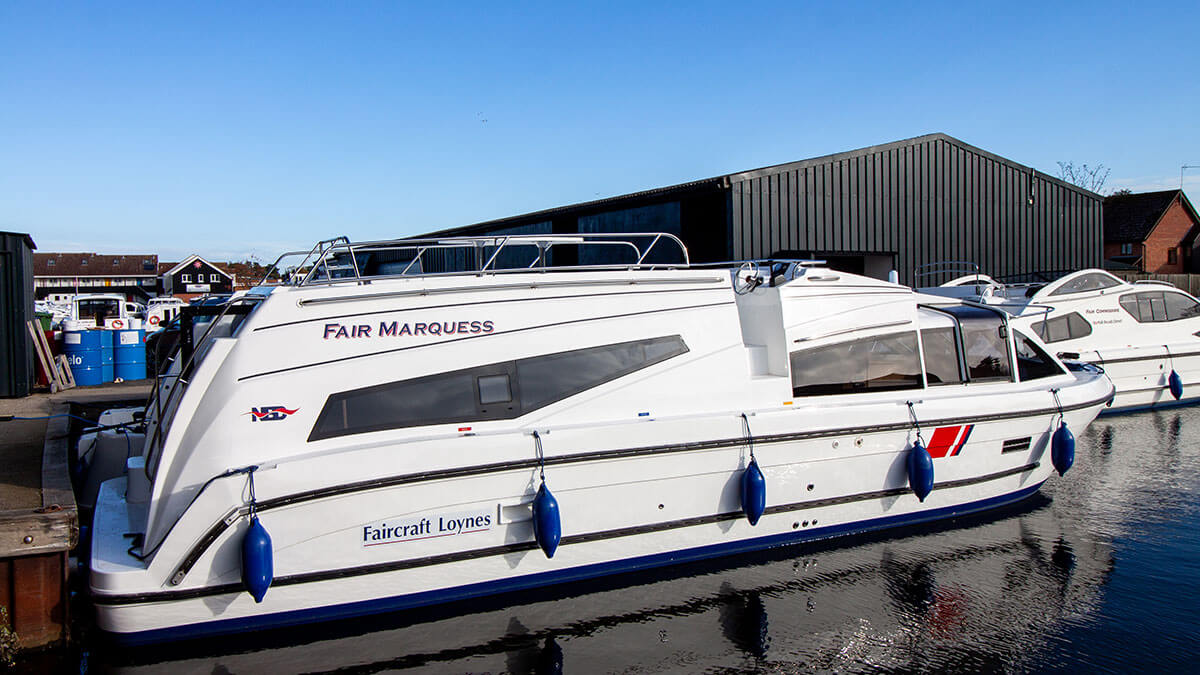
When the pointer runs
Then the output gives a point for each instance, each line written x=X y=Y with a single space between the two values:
x=1154 y=232
x=58 y=276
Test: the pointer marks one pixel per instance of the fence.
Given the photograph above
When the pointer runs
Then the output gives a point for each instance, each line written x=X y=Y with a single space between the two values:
x=1184 y=282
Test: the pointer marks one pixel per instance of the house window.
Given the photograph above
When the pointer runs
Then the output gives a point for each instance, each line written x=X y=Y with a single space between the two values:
x=1126 y=249
x=214 y=278
x=1172 y=256
x=50 y=263
x=186 y=278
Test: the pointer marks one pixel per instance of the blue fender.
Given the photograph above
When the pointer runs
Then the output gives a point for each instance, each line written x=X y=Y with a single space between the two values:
x=547 y=524
x=920 y=471
x=754 y=492
x=1176 y=384
x=1062 y=448
x=258 y=565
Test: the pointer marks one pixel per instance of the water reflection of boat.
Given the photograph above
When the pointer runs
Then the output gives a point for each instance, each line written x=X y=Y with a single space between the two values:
x=975 y=595
x=398 y=435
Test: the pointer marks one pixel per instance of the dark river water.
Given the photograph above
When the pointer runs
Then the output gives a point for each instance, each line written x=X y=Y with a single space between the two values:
x=1099 y=572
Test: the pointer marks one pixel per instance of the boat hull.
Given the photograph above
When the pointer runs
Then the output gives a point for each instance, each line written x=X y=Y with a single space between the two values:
x=623 y=510
x=544 y=579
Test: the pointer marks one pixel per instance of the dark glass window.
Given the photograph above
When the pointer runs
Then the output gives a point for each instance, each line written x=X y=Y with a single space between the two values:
x=986 y=347
x=1151 y=306
x=941 y=355
x=496 y=391
x=870 y=364
x=1172 y=256
x=1155 y=306
x=1032 y=361
x=1066 y=327
x=1087 y=282
x=99 y=309
x=1180 y=306
x=549 y=378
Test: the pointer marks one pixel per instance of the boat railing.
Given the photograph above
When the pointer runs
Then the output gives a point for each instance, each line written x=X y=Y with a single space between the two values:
x=1154 y=282
x=938 y=273
x=188 y=354
x=341 y=260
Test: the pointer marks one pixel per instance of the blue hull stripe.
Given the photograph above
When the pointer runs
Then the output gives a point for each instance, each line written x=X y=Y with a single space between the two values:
x=426 y=598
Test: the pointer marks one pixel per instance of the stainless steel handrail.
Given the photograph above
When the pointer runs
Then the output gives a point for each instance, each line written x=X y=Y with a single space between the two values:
x=320 y=256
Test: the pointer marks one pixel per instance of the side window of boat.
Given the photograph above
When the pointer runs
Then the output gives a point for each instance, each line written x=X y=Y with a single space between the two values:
x=1158 y=306
x=1180 y=306
x=1087 y=282
x=941 y=349
x=496 y=391
x=1032 y=362
x=876 y=363
x=1066 y=327
x=986 y=348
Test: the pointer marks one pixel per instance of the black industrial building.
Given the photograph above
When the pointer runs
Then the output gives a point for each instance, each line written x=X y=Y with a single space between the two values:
x=895 y=206
x=16 y=299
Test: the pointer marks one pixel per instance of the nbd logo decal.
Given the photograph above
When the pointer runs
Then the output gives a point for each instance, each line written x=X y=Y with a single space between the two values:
x=394 y=531
x=270 y=413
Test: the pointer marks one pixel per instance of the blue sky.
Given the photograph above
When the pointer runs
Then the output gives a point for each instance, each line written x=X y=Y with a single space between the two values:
x=231 y=129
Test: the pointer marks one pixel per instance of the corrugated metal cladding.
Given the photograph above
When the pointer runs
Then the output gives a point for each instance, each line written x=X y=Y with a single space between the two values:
x=931 y=199
x=896 y=206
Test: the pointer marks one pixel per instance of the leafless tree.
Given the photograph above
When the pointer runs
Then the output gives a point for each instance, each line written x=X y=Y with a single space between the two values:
x=1086 y=177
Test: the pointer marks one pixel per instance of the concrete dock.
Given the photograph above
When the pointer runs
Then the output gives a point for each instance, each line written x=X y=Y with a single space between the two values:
x=39 y=520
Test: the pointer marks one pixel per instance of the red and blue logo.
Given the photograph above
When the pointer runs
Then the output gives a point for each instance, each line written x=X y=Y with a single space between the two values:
x=949 y=441
x=270 y=413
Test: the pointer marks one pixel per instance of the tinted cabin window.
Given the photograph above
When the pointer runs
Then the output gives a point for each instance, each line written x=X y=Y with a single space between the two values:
x=1032 y=362
x=872 y=364
x=986 y=347
x=1086 y=282
x=550 y=378
x=941 y=355
x=1156 y=306
x=1066 y=327
x=496 y=391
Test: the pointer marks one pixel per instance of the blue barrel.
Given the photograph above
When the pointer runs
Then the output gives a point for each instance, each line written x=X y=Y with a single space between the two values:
x=107 y=357
x=130 y=349
x=82 y=348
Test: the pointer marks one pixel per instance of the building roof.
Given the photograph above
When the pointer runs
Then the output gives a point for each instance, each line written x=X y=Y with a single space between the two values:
x=94 y=265
x=192 y=260
x=726 y=180
x=1131 y=217
x=25 y=235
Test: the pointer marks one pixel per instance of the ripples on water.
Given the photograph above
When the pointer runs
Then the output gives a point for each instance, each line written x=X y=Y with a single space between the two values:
x=1098 y=572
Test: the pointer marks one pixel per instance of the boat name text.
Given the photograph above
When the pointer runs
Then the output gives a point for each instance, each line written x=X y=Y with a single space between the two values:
x=337 y=331
x=426 y=527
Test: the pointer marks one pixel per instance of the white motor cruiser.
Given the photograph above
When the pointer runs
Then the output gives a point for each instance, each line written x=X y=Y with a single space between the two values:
x=1143 y=334
x=375 y=434
x=161 y=310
